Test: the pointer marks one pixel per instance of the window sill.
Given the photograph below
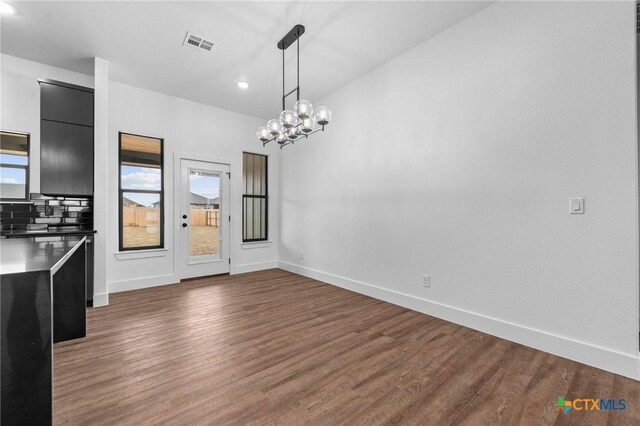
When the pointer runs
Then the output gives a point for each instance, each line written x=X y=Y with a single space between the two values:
x=256 y=244
x=140 y=254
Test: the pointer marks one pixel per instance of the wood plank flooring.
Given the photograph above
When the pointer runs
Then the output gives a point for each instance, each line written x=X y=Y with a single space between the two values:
x=276 y=348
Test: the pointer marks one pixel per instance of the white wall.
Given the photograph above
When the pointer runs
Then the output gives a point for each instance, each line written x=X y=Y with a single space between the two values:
x=20 y=102
x=186 y=127
x=457 y=159
x=100 y=181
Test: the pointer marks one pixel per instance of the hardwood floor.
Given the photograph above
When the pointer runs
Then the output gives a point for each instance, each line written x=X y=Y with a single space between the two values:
x=276 y=348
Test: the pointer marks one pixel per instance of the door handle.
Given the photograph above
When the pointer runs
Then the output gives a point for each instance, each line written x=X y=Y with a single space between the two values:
x=184 y=216
x=184 y=225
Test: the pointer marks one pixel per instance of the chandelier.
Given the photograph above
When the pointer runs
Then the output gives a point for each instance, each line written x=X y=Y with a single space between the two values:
x=303 y=121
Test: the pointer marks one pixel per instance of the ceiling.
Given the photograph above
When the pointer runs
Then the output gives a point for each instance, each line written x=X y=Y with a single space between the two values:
x=143 y=43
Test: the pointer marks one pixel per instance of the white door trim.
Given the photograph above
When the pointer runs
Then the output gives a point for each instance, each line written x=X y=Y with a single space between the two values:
x=177 y=241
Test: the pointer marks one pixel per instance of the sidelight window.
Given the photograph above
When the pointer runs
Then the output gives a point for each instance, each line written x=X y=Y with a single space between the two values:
x=255 y=200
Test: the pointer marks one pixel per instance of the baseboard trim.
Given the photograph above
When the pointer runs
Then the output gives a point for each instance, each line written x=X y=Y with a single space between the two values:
x=253 y=267
x=595 y=356
x=140 y=283
x=100 y=299
x=159 y=280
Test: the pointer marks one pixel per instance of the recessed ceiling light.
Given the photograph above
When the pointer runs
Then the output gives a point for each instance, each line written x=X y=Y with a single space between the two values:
x=6 y=9
x=243 y=85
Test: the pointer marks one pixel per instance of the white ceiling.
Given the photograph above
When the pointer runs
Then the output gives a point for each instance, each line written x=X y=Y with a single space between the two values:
x=143 y=43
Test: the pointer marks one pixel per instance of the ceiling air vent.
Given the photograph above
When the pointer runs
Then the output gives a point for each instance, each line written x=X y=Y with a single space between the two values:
x=198 y=43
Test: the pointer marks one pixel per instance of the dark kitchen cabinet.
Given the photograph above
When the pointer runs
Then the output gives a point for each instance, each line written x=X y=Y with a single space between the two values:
x=69 y=297
x=90 y=257
x=66 y=103
x=66 y=139
x=66 y=159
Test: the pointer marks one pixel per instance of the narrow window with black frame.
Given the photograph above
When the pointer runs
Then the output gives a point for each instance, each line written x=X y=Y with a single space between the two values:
x=14 y=166
x=141 y=192
x=255 y=198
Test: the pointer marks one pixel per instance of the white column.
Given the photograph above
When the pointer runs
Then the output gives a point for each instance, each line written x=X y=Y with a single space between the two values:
x=101 y=174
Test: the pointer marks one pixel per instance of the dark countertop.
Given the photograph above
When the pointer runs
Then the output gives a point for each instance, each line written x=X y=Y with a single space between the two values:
x=34 y=254
x=44 y=232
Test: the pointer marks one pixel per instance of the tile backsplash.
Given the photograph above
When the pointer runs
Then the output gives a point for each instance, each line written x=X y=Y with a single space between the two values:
x=46 y=211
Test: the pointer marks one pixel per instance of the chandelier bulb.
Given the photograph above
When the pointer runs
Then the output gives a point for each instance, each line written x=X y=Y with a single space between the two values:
x=308 y=124
x=303 y=109
x=288 y=119
x=323 y=115
x=274 y=127
x=263 y=134
x=292 y=133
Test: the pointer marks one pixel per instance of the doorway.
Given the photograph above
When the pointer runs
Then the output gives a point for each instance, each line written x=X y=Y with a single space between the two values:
x=203 y=219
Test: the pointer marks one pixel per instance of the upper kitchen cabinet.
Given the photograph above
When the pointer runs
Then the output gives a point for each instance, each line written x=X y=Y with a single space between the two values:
x=66 y=103
x=66 y=139
x=66 y=159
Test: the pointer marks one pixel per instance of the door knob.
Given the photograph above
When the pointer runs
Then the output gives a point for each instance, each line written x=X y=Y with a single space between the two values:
x=184 y=216
x=184 y=225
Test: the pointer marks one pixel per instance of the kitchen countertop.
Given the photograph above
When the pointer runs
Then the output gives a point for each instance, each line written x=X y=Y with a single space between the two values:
x=35 y=254
x=45 y=232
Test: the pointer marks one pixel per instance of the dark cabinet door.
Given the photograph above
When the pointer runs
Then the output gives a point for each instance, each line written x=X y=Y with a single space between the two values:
x=69 y=298
x=25 y=339
x=90 y=270
x=66 y=159
x=66 y=105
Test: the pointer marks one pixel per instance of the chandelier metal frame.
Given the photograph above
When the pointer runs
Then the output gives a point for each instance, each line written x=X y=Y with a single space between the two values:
x=286 y=136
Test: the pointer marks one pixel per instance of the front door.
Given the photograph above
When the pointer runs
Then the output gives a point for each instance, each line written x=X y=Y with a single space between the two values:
x=204 y=218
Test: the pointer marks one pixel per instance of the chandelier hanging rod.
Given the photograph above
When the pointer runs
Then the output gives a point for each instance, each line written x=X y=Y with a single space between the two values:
x=293 y=36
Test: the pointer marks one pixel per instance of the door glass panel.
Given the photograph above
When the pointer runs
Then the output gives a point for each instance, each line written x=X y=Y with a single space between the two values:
x=204 y=213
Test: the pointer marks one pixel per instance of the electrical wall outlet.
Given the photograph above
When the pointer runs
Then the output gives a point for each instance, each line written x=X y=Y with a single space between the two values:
x=301 y=255
x=426 y=280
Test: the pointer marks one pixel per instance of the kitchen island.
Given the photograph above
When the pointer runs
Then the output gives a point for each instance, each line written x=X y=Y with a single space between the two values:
x=42 y=301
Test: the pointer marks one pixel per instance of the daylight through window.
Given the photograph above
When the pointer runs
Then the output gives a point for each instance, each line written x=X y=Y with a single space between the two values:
x=141 y=192
x=14 y=166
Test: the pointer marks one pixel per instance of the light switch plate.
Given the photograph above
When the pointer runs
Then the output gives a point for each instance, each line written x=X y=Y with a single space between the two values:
x=576 y=205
